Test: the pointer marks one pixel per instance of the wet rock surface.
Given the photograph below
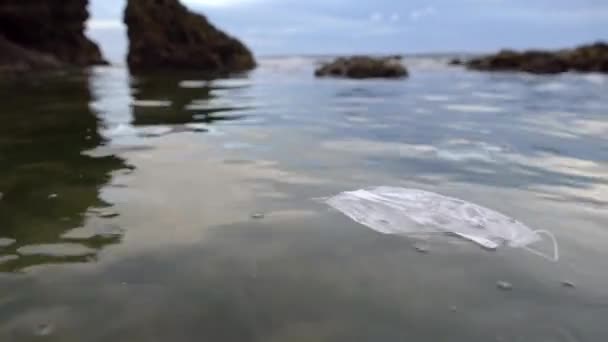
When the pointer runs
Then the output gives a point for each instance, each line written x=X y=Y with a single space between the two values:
x=363 y=67
x=586 y=58
x=166 y=35
x=37 y=34
x=15 y=58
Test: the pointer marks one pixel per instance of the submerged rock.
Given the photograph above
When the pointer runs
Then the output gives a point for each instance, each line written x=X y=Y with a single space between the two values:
x=455 y=62
x=537 y=62
x=587 y=58
x=39 y=34
x=363 y=67
x=165 y=35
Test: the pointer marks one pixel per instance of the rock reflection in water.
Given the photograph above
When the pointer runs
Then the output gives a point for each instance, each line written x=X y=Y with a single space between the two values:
x=169 y=100
x=48 y=184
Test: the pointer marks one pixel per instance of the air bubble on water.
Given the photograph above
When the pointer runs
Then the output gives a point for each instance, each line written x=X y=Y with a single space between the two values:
x=421 y=248
x=108 y=214
x=504 y=285
x=44 y=329
x=569 y=284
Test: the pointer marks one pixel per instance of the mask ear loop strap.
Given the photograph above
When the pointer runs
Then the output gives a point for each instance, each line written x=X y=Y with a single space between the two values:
x=555 y=257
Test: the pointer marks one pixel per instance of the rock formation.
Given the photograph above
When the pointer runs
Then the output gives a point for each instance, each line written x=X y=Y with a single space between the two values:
x=455 y=62
x=45 y=34
x=15 y=58
x=363 y=67
x=587 y=58
x=163 y=34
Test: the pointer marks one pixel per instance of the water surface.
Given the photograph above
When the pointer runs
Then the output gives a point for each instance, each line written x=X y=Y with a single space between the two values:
x=174 y=208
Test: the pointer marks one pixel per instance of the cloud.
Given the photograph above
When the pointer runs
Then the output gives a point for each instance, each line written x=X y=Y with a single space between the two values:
x=284 y=26
x=102 y=24
x=420 y=13
x=558 y=15
x=376 y=16
x=218 y=3
x=380 y=17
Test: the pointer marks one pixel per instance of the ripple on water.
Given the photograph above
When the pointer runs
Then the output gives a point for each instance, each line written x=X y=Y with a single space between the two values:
x=471 y=108
x=436 y=98
x=494 y=96
x=7 y=258
x=150 y=103
x=101 y=230
x=598 y=79
x=191 y=84
x=5 y=242
x=552 y=87
x=56 y=250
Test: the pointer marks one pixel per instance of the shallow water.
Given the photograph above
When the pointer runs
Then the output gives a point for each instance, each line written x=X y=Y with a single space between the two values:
x=170 y=208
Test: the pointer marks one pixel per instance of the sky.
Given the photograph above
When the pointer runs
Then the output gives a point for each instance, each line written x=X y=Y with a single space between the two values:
x=286 y=27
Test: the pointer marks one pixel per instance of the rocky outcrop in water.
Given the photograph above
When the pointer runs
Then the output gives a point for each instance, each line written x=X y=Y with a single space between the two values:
x=15 y=58
x=363 y=67
x=455 y=62
x=42 y=34
x=163 y=34
x=587 y=58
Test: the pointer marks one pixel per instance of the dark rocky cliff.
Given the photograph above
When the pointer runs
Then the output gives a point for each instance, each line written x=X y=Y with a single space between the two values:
x=42 y=33
x=164 y=34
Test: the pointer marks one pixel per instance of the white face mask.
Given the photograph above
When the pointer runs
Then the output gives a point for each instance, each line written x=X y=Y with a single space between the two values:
x=412 y=212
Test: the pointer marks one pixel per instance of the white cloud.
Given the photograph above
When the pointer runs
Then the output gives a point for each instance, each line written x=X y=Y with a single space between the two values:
x=584 y=15
x=380 y=17
x=376 y=16
x=218 y=3
x=422 y=12
x=101 y=24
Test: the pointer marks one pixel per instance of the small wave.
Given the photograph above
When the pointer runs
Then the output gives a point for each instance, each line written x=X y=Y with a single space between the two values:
x=497 y=96
x=469 y=108
x=150 y=103
x=127 y=130
x=436 y=98
x=466 y=150
x=189 y=84
x=358 y=119
x=427 y=62
x=120 y=130
x=5 y=242
x=7 y=258
x=56 y=250
x=154 y=131
x=552 y=87
x=287 y=63
x=598 y=79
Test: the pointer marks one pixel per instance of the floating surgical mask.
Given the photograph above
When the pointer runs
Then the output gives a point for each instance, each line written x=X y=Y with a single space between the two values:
x=412 y=212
